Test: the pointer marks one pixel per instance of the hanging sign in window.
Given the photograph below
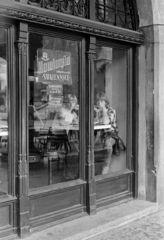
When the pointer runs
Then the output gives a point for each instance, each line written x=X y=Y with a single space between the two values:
x=54 y=66
x=56 y=89
x=55 y=92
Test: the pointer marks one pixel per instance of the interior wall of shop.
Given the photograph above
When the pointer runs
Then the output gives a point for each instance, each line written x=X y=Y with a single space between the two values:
x=151 y=101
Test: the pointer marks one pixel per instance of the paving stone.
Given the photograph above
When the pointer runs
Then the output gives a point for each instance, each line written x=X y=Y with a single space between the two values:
x=146 y=228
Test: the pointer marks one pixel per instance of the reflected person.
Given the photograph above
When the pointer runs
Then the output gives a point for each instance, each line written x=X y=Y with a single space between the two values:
x=2 y=104
x=66 y=115
x=106 y=115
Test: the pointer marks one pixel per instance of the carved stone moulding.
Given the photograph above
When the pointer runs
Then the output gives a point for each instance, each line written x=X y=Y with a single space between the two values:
x=68 y=25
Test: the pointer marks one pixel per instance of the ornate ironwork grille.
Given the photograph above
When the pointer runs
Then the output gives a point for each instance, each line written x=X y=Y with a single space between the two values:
x=116 y=12
x=73 y=7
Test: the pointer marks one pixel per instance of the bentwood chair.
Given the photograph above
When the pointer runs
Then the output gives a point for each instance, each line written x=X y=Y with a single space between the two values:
x=58 y=140
x=58 y=147
x=42 y=140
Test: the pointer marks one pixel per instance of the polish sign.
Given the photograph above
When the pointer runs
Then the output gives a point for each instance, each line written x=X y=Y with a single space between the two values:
x=55 y=92
x=54 y=66
x=56 y=89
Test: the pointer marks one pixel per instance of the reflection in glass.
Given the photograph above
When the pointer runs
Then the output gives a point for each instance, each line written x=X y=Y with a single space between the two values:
x=115 y=12
x=77 y=7
x=53 y=110
x=3 y=114
x=110 y=110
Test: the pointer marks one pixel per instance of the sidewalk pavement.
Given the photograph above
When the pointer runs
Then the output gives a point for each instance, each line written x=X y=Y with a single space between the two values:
x=136 y=219
x=146 y=228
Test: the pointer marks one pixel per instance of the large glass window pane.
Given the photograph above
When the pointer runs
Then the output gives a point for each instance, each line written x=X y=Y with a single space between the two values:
x=3 y=114
x=110 y=110
x=53 y=110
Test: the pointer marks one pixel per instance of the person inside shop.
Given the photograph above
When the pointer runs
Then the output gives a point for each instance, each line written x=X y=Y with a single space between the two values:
x=66 y=115
x=105 y=115
x=2 y=104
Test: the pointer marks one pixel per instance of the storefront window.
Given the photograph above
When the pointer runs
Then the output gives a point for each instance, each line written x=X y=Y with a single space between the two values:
x=110 y=111
x=3 y=114
x=53 y=110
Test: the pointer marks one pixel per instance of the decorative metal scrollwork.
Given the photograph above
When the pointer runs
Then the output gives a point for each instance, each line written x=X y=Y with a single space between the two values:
x=73 y=7
x=116 y=12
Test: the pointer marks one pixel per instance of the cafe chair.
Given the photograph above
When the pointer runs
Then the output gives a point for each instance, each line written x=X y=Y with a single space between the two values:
x=4 y=141
x=58 y=140
x=53 y=156
x=71 y=170
x=35 y=159
x=62 y=137
x=43 y=131
x=42 y=140
x=58 y=147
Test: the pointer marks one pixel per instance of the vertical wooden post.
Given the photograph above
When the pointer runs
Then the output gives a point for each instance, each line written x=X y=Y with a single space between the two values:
x=22 y=172
x=90 y=167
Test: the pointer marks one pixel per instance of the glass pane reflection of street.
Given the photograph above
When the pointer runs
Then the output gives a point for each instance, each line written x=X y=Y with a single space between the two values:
x=110 y=110
x=3 y=115
x=53 y=110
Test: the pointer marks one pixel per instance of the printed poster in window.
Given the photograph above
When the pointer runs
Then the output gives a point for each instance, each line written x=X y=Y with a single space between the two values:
x=55 y=93
x=54 y=66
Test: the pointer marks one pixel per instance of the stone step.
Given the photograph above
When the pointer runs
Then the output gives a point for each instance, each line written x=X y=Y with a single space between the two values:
x=87 y=227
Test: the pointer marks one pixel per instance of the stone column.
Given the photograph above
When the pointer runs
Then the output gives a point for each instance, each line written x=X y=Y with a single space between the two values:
x=151 y=101
x=159 y=110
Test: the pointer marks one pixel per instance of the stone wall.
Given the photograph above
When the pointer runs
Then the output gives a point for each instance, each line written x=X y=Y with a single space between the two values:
x=151 y=101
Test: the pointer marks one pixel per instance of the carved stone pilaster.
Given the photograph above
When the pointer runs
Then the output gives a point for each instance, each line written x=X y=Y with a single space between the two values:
x=22 y=167
x=21 y=48
x=25 y=49
x=89 y=155
x=90 y=56
x=91 y=194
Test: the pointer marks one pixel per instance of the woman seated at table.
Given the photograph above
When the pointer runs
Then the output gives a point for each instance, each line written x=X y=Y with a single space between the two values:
x=103 y=140
x=66 y=114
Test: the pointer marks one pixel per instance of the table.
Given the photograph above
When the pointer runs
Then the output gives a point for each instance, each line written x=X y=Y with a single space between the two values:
x=3 y=133
x=43 y=139
x=73 y=128
x=76 y=127
x=102 y=126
